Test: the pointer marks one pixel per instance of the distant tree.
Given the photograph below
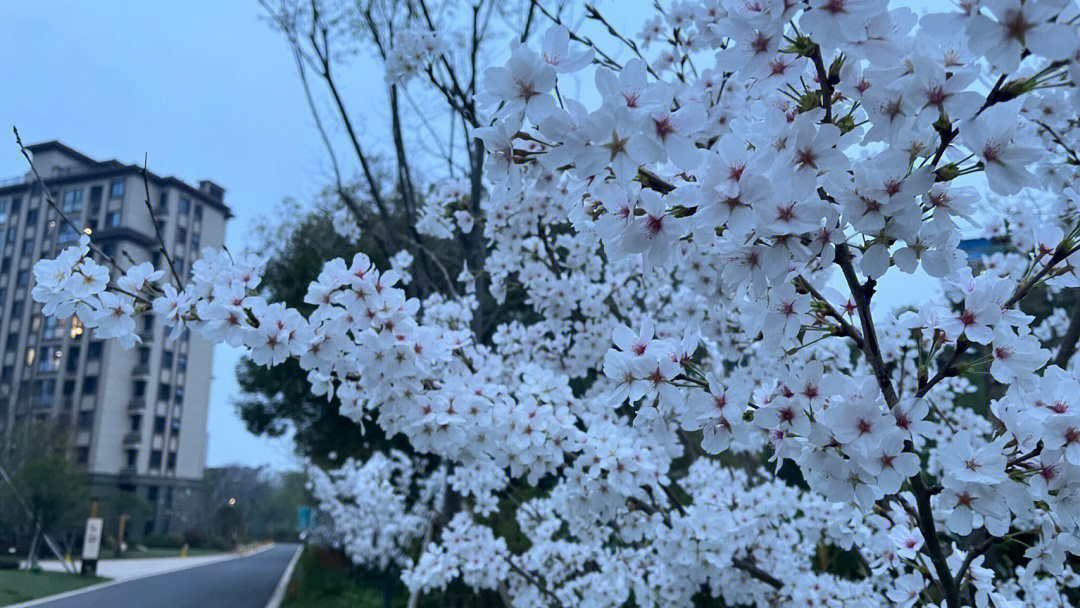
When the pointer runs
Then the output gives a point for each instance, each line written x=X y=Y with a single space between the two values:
x=250 y=503
x=55 y=491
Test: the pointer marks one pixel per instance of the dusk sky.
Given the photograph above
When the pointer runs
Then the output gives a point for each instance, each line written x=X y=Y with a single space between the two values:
x=204 y=87
x=207 y=90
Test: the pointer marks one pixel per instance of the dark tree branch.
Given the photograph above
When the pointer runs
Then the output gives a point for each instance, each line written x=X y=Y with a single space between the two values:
x=749 y=567
x=848 y=329
x=157 y=228
x=1068 y=342
x=52 y=203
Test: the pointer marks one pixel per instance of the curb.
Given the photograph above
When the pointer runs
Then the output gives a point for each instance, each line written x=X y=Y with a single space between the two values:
x=60 y=596
x=283 y=583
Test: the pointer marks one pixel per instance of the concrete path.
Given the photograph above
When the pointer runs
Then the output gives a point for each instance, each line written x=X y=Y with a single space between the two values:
x=134 y=567
x=240 y=582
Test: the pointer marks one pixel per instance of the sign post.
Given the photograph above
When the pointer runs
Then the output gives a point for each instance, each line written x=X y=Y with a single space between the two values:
x=91 y=548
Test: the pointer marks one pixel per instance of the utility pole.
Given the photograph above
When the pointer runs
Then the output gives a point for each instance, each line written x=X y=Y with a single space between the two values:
x=120 y=545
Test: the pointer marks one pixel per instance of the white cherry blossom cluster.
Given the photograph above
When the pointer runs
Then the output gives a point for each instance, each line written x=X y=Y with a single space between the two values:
x=699 y=390
x=379 y=508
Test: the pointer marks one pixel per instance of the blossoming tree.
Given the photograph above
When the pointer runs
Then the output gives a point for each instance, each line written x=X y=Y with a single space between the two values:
x=701 y=239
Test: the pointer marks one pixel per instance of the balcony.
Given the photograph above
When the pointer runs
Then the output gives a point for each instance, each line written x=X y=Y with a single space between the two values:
x=41 y=404
x=132 y=439
x=140 y=370
x=136 y=404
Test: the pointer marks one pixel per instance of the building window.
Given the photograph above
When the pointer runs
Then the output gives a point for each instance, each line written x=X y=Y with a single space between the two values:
x=43 y=392
x=170 y=463
x=159 y=425
x=163 y=202
x=95 y=196
x=31 y=217
x=166 y=358
x=136 y=422
x=185 y=205
x=11 y=233
x=181 y=362
x=49 y=361
x=131 y=456
x=12 y=341
x=28 y=247
x=85 y=420
x=69 y=388
x=89 y=385
x=198 y=212
x=66 y=235
x=93 y=351
x=112 y=219
x=155 y=459
x=23 y=278
x=82 y=455
x=181 y=235
x=144 y=355
x=5 y=265
x=116 y=190
x=73 y=358
x=7 y=373
x=72 y=201
x=179 y=394
x=164 y=391
x=194 y=242
x=139 y=388
x=50 y=328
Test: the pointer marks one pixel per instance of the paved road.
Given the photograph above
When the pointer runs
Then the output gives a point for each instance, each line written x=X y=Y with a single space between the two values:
x=245 y=582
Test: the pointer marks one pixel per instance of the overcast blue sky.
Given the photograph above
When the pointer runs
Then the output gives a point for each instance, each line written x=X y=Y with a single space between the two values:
x=203 y=86
x=208 y=91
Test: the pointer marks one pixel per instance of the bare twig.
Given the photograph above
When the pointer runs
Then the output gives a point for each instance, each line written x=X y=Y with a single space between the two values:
x=52 y=203
x=157 y=227
x=533 y=580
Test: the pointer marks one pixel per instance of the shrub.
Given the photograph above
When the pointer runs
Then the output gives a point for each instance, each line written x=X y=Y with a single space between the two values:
x=193 y=537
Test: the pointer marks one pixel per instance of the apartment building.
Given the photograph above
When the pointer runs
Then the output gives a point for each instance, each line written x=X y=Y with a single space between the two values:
x=137 y=417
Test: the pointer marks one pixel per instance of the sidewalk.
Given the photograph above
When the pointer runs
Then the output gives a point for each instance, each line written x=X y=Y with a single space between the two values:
x=121 y=569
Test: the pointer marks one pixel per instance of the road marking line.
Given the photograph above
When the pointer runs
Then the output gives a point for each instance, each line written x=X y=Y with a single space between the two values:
x=60 y=596
x=283 y=584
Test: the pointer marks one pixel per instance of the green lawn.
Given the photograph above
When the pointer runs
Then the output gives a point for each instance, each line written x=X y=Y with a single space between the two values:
x=317 y=584
x=20 y=585
x=136 y=554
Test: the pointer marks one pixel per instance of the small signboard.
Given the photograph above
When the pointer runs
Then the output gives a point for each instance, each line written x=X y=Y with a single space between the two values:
x=91 y=547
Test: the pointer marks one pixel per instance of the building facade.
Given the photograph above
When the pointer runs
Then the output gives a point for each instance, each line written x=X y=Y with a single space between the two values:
x=137 y=418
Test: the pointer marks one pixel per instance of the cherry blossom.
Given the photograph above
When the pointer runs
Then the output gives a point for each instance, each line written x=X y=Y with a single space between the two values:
x=701 y=384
